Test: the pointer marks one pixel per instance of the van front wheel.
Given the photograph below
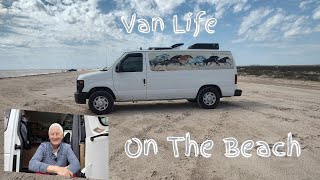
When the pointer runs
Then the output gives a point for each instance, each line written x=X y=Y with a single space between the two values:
x=101 y=102
x=208 y=98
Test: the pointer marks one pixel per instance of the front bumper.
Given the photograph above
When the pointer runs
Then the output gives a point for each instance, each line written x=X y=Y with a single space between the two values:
x=80 y=97
x=237 y=92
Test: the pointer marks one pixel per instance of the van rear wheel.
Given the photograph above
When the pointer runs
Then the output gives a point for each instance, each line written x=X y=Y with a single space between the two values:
x=101 y=102
x=208 y=98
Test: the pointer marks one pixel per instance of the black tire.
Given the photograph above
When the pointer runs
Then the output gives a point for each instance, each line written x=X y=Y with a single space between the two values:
x=106 y=102
x=192 y=100
x=204 y=98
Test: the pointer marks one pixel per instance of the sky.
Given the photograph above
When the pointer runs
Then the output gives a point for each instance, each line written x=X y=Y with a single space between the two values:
x=63 y=34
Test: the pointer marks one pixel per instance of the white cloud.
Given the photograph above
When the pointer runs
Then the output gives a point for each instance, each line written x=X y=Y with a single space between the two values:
x=53 y=22
x=53 y=26
x=168 y=6
x=3 y=10
x=305 y=3
x=264 y=31
x=240 y=6
x=255 y=17
x=223 y=6
x=316 y=13
x=266 y=25
x=149 y=8
x=57 y=26
x=296 y=27
x=317 y=28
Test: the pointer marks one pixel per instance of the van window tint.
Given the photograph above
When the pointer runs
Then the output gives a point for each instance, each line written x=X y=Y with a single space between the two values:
x=132 y=63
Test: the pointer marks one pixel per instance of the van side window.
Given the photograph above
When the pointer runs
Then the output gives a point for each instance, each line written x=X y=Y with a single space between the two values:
x=132 y=63
x=104 y=121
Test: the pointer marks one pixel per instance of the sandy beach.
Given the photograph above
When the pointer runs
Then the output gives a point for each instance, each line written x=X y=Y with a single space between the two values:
x=268 y=110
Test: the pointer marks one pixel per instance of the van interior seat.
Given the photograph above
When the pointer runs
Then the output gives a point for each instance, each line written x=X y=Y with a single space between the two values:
x=25 y=132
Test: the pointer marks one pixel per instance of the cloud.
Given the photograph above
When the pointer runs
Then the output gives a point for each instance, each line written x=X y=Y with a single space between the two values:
x=149 y=8
x=84 y=29
x=77 y=23
x=296 y=26
x=167 y=7
x=316 y=13
x=222 y=6
x=241 y=6
x=75 y=29
x=266 y=25
x=263 y=31
x=305 y=3
x=255 y=17
x=55 y=22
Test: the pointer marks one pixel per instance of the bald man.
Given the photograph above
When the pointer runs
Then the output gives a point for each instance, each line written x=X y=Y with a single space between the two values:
x=55 y=157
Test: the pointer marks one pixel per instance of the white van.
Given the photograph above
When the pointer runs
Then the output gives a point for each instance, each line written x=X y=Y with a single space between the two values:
x=201 y=74
x=87 y=136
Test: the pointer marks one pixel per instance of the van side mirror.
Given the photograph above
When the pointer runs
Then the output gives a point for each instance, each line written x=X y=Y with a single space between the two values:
x=118 y=68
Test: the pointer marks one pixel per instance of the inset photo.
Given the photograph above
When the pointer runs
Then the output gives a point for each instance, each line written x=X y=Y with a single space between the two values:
x=46 y=143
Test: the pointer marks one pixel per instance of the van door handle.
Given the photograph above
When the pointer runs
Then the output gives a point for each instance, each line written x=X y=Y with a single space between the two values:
x=99 y=135
x=16 y=146
x=144 y=81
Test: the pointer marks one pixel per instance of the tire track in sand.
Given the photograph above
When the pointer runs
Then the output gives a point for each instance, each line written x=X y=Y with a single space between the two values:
x=199 y=170
x=141 y=134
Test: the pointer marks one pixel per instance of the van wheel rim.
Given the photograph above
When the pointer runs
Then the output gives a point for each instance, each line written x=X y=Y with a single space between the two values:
x=209 y=98
x=100 y=103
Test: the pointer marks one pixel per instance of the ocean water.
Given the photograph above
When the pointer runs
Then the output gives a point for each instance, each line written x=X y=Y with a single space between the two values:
x=28 y=72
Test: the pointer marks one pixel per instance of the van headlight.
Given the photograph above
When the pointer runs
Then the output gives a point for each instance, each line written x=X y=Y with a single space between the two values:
x=80 y=85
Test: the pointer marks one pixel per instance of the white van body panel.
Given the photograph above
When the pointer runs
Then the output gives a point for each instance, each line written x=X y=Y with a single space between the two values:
x=97 y=79
x=183 y=81
x=11 y=138
x=185 y=84
x=96 y=158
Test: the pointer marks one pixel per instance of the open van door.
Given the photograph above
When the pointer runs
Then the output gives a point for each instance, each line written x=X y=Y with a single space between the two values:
x=12 y=142
x=96 y=150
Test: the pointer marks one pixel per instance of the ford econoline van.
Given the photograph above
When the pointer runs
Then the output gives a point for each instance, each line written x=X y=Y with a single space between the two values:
x=87 y=136
x=201 y=74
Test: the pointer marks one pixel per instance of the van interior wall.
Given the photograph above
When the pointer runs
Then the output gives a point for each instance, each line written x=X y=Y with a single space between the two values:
x=39 y=123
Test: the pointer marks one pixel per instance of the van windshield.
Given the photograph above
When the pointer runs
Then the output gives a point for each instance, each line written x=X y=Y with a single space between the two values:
x=107 y=68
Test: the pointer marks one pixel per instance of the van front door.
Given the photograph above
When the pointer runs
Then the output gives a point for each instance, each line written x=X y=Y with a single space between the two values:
x=129 y=77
